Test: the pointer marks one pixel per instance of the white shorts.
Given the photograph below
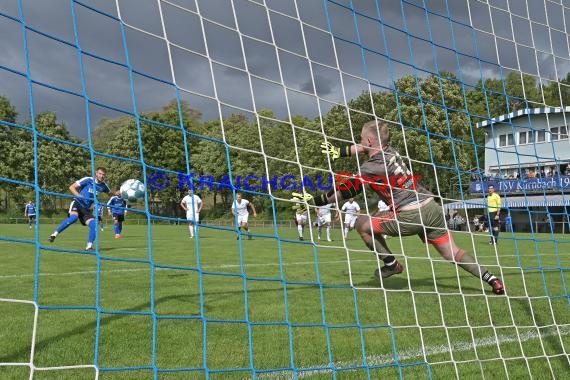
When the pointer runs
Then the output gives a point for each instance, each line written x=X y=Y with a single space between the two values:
x=322 y=220
x=242 y=219
x=350 y=220
x=192 y=217
x=301 y=218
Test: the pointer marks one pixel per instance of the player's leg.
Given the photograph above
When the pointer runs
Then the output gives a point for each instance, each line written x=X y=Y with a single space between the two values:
x=72 y=217
x=352 y=223
x=300 y=226
x=196 y=224
x=240 y=224
x=447 y=248
x=246 y=228
x=328 y=228
x=120 y=219
x=116 y=226
x=190 y=219
x=100 y=220
x=491 y=229
x=371 y=233
x=320 y=224
x=442 y=240
x=496 y=229
x=92 y=225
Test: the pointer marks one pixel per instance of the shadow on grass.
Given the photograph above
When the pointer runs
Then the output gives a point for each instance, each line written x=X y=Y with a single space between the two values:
x=419 y=284
x=22 y=355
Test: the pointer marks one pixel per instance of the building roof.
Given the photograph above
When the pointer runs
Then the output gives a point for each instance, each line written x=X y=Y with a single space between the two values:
x=527 y=111
x=515 y=202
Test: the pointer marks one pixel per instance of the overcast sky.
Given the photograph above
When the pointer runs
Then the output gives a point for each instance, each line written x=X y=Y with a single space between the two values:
x=302 y=56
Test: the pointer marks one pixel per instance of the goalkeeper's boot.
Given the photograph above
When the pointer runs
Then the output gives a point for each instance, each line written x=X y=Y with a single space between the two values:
x=51 y=238
x=389 y=270
x=498 y=287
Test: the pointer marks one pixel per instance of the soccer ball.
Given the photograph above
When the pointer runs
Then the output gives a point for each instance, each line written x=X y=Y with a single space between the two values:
x=132 y=190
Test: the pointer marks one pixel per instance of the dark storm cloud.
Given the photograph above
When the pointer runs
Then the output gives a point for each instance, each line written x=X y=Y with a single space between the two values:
x=278 y=42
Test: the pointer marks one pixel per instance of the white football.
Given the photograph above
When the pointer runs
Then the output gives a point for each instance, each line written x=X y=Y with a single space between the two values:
x=132 y=190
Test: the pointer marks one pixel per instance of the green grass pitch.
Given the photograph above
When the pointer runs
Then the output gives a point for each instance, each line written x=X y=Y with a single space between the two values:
x=222 y=308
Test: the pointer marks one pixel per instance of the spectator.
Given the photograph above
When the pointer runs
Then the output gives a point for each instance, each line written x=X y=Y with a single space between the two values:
x=459 y=221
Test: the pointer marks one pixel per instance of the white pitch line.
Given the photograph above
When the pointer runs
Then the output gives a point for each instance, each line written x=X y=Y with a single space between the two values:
x=384 y=359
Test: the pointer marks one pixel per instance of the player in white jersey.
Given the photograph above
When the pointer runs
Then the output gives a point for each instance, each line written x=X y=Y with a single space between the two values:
x=239 y=207
x=324 y=219
x=192 y=204
x=301 y=216
x=383 y=207
x=351 y=209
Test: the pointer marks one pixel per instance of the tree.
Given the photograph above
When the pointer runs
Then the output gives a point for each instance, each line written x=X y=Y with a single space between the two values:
x=436 y=131
x=58 y=158
x=7 y=114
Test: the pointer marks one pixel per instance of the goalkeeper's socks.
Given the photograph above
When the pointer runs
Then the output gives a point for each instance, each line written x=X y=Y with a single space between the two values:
x=300 y=229
x=66 y=223
x=488 y=277
x=389 y=260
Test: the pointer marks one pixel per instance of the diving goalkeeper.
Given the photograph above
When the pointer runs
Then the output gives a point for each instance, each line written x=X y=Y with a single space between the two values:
x=413 y=210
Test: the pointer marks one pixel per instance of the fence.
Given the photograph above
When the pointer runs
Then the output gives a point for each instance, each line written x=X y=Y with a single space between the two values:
x=538 y=227
x=141 y=221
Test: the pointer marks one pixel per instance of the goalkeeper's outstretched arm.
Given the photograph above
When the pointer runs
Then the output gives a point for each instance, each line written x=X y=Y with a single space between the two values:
x=343 y=151
x=349 y=188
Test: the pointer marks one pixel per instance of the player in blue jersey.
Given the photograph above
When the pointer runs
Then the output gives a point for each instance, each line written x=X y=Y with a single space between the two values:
x=80 y=207
x=30 y=213
x=117 y=208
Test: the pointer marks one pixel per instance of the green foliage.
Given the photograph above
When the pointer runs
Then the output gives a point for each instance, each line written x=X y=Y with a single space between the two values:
x=58 y=162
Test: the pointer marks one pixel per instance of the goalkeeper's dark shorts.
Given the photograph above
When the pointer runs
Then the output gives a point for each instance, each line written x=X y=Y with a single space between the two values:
x=428 y=222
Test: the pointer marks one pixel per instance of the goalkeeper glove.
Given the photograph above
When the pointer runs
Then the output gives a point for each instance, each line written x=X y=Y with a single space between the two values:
x=335 y=152
x=301 y=202
x=331 y=150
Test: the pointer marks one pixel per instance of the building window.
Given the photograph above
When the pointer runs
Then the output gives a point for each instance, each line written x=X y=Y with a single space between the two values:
x=529 y=137
x=558 y=133
x=506 y=140
x=502 y=140
x=522 y=138
x=541 y=136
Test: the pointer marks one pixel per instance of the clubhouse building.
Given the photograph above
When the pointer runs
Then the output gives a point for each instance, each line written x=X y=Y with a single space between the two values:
x=527 y=160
